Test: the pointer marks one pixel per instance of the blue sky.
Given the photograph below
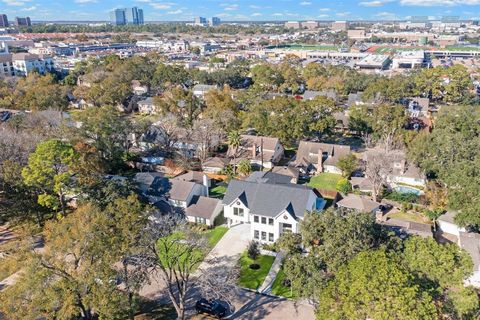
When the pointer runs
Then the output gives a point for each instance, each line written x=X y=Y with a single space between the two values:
x=244 y=9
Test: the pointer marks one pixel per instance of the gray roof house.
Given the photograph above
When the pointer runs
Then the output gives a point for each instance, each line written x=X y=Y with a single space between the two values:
x=203 y=210
x=199 y=90
x=291 y=172
x=214 y=164
x=271 y=208
x=319 y=157
x=358 y=203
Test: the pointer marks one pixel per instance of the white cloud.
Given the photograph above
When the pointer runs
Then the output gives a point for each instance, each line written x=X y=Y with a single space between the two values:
x=85 y=1
x=324 y=10
x=15 y=3
x=32 y=8
x=256 y=14
x=277 y=14
x=231 y=7
x=386 y=15
x=305 y=3
x=343 y=14
x=429 y=3
x=374 y=3
x=178 y=11
x=162 y=5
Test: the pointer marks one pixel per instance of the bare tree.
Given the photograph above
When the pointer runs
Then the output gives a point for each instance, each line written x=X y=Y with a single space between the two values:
x=169 y=132
x=206 y=136
x=377 y=169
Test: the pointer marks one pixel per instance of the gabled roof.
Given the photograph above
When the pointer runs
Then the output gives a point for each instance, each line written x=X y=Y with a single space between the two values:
x=151 y=182
x=269 y=177
x=246 y=147
x=286 y=171
x=308 y=151
x=359 y=203
x=203 y=207
x=216 y=162
x=269 y=199
x=192 y=176
x=180 y=190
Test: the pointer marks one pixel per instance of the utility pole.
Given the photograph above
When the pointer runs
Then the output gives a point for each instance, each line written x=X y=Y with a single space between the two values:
x=261 y=150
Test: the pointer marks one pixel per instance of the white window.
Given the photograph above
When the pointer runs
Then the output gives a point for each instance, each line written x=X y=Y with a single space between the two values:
x=255 y=219
x=270 y=221
x=264 y=236
x=264 y=220
x=238 y=212
x=270 y=237
x=255 y=234
x=200 y=220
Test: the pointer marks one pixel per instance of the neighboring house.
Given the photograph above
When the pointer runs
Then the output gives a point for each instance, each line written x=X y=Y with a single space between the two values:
x=402 y=227
x=268 y=177
x=203 y=210
x=402 y=172
x=147 y=106
x=469 y=241
x=362 y=184
x=417 y=107
x=152 y=185
x=315 y=157
x=291 y=172
x=271 y=209
x=446 y=223
x=199 y=90
x=311 y=94
x=139 y=89
x=358 y=203
x=214 y=164
x=342 y=121
x=195 y=176
x=181 y=193
x=259 y=150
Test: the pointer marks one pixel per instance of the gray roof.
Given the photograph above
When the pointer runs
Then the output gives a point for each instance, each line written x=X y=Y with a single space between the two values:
x=148 y=101
x=192 y=176
x=308 y=152
x=203 y=207
x=410 y=227
x=448 y=216
x=269 y=177
x=150 y=182
x=268 y=199
x=470 y=242
x=359 y=203
x=204 y=87
x=215 y=162
x=311 y=94
x=180 y=190
x=287 y=171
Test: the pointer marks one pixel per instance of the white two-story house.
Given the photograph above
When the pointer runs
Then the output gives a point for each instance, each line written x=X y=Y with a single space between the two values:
x=271 y=209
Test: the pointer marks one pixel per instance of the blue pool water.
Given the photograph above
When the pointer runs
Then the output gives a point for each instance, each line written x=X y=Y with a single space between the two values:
x=405 y=189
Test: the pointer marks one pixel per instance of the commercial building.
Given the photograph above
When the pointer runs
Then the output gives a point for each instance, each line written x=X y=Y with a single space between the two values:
x=3 y=21
x=409 y=59
x=123 y=16
x=374 y=62
x=20 y=21
x=6 y=67
x=200 y=21
x=292 y=25
x=340 y=26
x=310 y=25
x=26 y=63
x=357 y=34
x=214 y=21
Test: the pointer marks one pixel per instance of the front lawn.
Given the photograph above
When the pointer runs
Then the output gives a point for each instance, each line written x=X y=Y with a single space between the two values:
x=280 y=289
x=326 y=181
x=214 y=235
x=407 y=217
x=250 y=278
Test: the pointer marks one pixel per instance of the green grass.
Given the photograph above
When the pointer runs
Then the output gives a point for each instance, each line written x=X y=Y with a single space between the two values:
x=250 y=278
x=149 y=310
x=279 y=289
x=406 y=216
x=327 y=181
x=215 y=235
x=218 y=191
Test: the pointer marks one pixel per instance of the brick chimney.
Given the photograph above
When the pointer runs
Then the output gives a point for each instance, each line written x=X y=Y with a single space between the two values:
x=320 y=161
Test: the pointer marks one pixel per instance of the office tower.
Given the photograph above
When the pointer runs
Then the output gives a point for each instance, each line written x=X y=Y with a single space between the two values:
x=3 y=21
x=214 y=21
x=19 y=21
x=126 y=16
x=200 y=21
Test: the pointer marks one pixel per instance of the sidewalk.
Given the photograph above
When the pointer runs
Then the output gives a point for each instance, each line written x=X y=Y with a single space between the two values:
x=266 y=287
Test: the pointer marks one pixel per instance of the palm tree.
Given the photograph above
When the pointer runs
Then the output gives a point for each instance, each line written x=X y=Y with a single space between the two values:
x=234 y=142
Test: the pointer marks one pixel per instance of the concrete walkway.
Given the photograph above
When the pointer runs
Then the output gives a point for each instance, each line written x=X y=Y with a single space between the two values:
x=266 y=287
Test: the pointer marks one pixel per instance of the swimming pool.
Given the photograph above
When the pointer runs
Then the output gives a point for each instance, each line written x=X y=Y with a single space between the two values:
x=406 y=189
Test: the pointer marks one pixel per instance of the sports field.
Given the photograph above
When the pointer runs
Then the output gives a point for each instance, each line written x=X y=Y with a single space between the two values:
x=306 y=47
x=391 y=50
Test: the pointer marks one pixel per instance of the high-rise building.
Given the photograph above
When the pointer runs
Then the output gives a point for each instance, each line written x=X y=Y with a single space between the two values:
x=214 y=21
x=200 y=21
x=117 y=17
x=20 y=21
x=126 y=16
x=3 y=21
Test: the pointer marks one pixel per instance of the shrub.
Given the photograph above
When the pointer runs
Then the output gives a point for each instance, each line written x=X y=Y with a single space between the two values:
x=343 y=186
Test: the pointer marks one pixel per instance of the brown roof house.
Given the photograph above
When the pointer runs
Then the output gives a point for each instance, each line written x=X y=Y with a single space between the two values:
x=358 y=203
x=315 y=157
x=260 y=151
x=214 y=164
x=204 y=210
x=195 y=176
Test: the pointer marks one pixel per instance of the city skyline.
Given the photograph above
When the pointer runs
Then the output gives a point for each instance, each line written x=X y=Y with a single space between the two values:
x=244 y=10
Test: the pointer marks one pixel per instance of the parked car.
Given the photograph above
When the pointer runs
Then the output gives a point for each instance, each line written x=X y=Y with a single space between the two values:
x=213 y=308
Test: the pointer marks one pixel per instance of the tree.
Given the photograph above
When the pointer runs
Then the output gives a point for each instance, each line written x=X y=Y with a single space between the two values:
x=387 y=121
x=305 y=274
x=108 y=131
x=343 y=186
x=36 y=92
x=222 y=109
x=182 y=104
x=289 y=242
x=377 y=169
x=253 y=251
x=433 y=215
x=374 y=286
x=347 y=164
x=50 y=170
x=336 y=237
x=206 y=136
x=451 y=153
x=234 y=140
x=73 y=276
x=175 y=251
x=244 y=167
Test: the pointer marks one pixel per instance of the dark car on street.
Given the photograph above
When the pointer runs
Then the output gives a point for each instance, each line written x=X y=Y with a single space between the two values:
x=212 y=308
